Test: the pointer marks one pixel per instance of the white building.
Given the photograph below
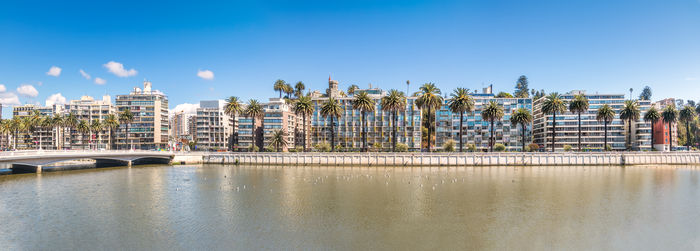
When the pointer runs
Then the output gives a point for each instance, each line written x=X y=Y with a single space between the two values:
x=214 y=127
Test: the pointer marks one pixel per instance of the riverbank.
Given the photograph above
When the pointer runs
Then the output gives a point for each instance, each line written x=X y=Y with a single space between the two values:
x=448 y=159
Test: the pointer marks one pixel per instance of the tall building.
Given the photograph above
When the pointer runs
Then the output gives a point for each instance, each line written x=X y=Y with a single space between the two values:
x=179 y=126
x=149 y=129
x=280 y=116
x=662 y=131
x=42 y=137
x=476 y=130
x=592 y=130
x=214 y=126
x=88 y=109
x=378 y=123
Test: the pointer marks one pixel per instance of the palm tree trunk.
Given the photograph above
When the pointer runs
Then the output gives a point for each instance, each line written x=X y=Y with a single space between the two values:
x=579 y=131
x=129 y=146
x=670 y=137
x=393 y=146
x=304 y=137
x=652 y=134
x=332 y=136
x=461 y=117
x=491 y=138
x=430 y=131
x=364 y=133
x=687 y=134
x=554 y=129
x=524 y=128
x=605 y=136
x=629 y=135
x=252 y=134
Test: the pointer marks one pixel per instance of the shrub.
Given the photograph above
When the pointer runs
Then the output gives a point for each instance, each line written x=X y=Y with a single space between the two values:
x=339 y=148
x=498 y=147
x=567 y=148
x=322 y=147
x=527 y=149
x=608 y=148
x=299 y=149
x=253 y=148
x=449 y=146
x=292 y=150
x=401 y=147
x=471 y=147
x=268 y=149
x=533 y=147
x=376 y=147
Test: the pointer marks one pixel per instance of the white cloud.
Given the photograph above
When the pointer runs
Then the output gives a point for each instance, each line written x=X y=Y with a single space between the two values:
x=8 y=98
x=186 y=108
x=85 y=75
x=100 y=81
x=205 y=74
x=118 y=69
x=54 y=71
x=27 y=90
x=2 y=88
x=55 y=99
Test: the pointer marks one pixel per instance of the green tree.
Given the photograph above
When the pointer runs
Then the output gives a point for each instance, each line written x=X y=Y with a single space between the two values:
x=289 y=90
x=652 y=115
x=331 y=108
x=492 y=112
x=44 y=122
x=429 y=98
x=363 y=103
x=521 y=87
x=631 y=113
x=278 y=139
x=83 y=128
x=304 y=107
x=111 y=122
x=352 y=89
x=96 y=128
x=606 y=114
x=16 y=127
x=521 y=117
x=577 y=106
x=504 y=95
x=670 y=116
x=125 y=118
x=461 y=102
x=394 y=102
x=299 y=88
x=554 y=104
x=253 y=111
x=646 y=93
x=70 y=121
x=687 y=115
x=279 y=86
x=232 y=108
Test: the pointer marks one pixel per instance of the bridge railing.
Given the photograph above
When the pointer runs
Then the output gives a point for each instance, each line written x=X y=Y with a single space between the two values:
x=39 y=152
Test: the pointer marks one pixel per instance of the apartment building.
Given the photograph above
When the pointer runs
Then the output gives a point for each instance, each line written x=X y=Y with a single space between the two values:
x=476 y=130
x=592 y=130
x=280 y=116
x=213 y=126
x=42 y=137
x=378 y=123
x=149 y=129
x=88 y=109
x=662 y=131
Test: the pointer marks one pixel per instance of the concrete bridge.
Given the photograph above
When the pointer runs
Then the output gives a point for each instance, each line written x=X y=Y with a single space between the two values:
x=33 y=161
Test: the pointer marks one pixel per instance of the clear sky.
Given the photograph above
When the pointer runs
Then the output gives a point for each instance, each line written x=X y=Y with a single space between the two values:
x=603 y=46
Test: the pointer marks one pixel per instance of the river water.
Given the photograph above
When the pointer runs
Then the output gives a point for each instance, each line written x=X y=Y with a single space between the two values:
x=311 y=208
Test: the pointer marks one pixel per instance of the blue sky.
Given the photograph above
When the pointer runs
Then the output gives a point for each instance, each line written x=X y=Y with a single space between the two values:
x=604 y=46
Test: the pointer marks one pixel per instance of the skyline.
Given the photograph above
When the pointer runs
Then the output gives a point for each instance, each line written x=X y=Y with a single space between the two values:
x=212 y=51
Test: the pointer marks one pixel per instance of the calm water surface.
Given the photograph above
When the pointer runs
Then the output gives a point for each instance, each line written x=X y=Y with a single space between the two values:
x=243 y=208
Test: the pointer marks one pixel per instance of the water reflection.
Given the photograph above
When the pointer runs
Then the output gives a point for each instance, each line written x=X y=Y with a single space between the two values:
x=274 y=207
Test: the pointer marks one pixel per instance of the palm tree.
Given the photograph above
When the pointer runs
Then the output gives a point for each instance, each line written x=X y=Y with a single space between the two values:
x=579 y=105
x=554 y=104
x=15 y=126
x=364 y=104
x=429 y=98
x=96 y=128
x=687 y=115
x=110 y=122
x=253 y=111
x=70 y=121
x=279 y=86
x=83 y=128
x=299 y=89
x=58 y=122
x=461 y=102
x=331 y=108
x=304 y=107
x=27 y=126
x=126 y=117
x=232 y=108
x=522 y=117
x=652 y=115
x=394 y=102
x=352 y=89
x=492 y=112
x=670 y=116
x=630 y=112
x=289 y=90
x=44 y=122
x=278 y=139
x=6 y=130
x=606 y=114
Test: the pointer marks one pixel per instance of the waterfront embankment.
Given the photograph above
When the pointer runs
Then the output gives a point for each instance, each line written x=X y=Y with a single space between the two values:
x=449 y=159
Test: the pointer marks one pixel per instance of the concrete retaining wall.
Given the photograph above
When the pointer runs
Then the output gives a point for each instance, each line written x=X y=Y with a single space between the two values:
x=465 y=159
